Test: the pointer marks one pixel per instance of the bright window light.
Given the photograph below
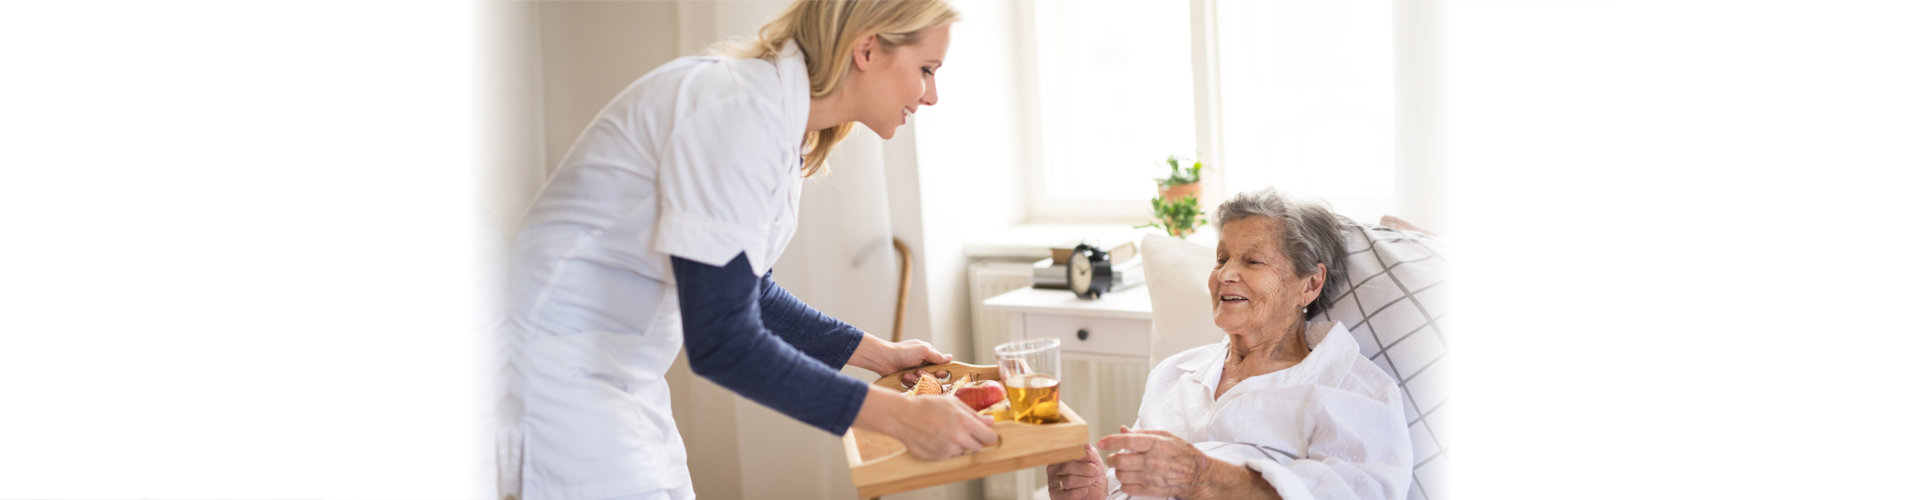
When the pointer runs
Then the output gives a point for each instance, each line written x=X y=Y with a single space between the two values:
x=1307 y=101
x=1116 y=84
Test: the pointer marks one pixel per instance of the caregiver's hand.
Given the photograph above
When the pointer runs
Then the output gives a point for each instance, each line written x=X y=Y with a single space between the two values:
x=1160 y=464
x=1081 y=479
x=883 y=357
x=932 y=427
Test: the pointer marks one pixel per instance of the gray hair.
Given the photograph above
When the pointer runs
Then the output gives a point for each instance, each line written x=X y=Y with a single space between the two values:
x=1310 y=234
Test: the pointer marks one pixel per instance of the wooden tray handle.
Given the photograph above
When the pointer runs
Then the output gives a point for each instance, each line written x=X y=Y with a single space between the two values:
x=955 y=369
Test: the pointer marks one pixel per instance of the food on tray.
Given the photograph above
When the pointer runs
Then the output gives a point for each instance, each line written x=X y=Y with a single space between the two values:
x=926 y=385
x=971 y=388
x=912 y=378
x=1001 y=411
x=980 y=395
x=964 y=380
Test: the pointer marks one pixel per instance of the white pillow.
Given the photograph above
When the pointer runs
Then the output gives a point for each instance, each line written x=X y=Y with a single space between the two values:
x=1394 y=297
x=1177 y=273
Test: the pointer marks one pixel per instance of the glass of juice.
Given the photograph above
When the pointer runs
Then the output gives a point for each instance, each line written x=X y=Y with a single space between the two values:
x=1031 y=371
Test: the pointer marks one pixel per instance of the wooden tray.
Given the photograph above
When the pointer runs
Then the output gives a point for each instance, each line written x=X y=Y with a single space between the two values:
x=882 y=466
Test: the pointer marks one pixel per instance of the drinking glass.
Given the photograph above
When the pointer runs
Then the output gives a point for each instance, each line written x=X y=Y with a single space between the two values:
x=1031 y=371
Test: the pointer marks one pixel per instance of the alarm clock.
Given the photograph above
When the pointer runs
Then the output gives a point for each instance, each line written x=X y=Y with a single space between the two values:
x=1089 y=273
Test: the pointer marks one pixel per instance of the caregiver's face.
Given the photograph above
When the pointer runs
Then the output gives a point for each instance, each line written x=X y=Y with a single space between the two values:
x=1253 y=285
x=903 y=81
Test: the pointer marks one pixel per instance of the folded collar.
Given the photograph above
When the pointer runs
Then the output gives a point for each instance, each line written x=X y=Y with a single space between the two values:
x=791 y=67
x=1325 y=348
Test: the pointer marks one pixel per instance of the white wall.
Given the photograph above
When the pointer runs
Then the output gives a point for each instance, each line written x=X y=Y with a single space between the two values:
x=591 y=50
x=1420 y=177
x=508 y=112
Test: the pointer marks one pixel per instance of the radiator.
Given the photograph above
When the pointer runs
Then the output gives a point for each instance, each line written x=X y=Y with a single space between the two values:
x=985 y=280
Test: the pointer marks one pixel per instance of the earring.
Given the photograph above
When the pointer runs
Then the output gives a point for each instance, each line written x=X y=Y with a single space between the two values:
x=1303 y=310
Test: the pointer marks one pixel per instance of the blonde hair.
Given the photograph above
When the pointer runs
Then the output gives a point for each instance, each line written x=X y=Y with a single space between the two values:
x=826 y=32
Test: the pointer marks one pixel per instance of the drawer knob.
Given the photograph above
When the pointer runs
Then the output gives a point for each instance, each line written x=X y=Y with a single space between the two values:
x=1082 y=334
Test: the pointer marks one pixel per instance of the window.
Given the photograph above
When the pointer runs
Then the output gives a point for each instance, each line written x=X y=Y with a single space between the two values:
x=1116 y=96
x=1309 y=101
x=1304 y=92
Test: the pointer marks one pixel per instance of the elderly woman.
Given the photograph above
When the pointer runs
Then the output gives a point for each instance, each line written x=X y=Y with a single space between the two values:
x=1283 y=407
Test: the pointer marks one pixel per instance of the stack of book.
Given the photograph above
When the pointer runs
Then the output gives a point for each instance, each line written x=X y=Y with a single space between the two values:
x=1127 y=273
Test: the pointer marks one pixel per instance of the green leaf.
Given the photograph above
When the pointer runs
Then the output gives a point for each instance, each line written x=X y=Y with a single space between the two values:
x=1178 y=217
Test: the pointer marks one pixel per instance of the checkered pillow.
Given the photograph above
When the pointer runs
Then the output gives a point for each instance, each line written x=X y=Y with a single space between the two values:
x=1394 y=301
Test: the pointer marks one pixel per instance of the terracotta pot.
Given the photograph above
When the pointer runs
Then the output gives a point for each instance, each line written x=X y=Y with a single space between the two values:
x=1181 y=191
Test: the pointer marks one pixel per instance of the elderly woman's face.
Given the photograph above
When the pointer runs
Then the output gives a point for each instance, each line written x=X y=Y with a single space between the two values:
x=1253 y=285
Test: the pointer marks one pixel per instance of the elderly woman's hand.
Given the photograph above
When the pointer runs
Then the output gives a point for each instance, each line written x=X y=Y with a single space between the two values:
x=1082 y=479
x=1157 y=464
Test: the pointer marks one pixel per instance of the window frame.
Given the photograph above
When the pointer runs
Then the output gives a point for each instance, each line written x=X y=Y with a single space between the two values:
x=1415 y=173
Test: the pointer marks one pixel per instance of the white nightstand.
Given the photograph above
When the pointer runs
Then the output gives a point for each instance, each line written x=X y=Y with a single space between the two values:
x=1115 y=327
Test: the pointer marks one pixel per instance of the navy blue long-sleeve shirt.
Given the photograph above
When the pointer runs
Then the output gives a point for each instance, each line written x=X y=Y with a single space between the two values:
x=752 y=337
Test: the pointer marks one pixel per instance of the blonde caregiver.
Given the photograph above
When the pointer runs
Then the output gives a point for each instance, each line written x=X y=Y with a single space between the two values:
x=660 y=226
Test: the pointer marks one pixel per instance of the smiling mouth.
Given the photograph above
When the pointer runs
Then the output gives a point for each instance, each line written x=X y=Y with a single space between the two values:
x=1232 y=299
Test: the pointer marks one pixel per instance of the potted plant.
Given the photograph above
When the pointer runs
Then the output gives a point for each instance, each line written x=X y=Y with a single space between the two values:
x=1177 y=209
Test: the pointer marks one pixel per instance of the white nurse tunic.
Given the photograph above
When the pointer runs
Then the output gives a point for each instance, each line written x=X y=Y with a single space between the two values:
x=698 y=159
